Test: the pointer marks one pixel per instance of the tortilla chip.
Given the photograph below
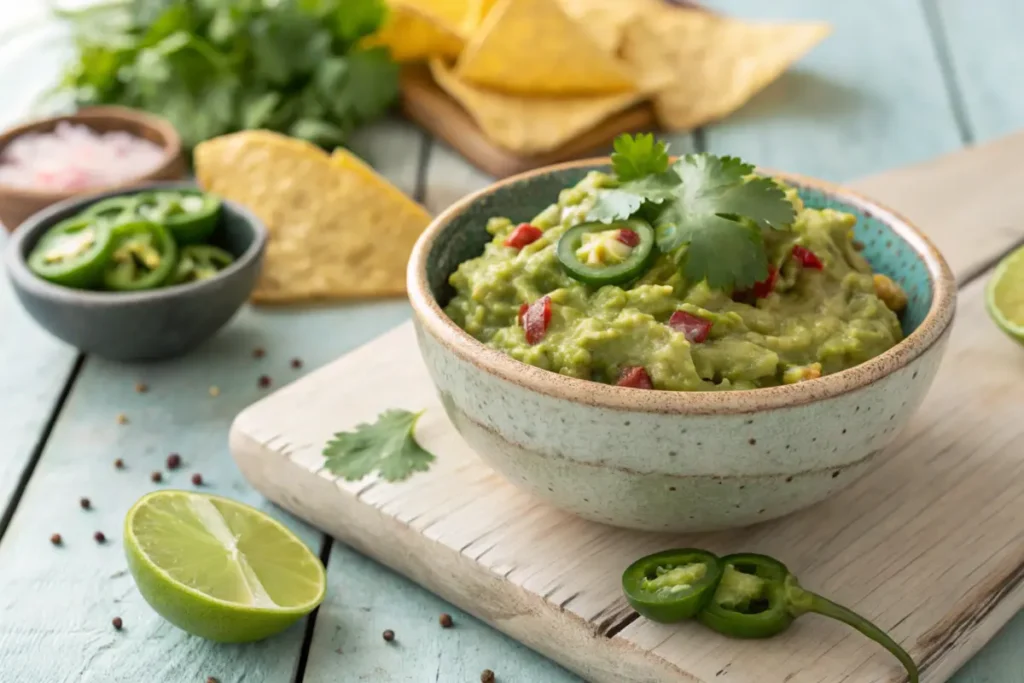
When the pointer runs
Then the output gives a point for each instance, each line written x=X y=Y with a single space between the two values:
x=531 y=125
x=460 y=16
x=338 y=230
x=478 y=11
x=532 y=47
x=719 y=63
x=606 y=20
x=412 y=35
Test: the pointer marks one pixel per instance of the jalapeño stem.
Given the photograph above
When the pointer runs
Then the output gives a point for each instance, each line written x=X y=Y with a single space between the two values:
x=802 y=601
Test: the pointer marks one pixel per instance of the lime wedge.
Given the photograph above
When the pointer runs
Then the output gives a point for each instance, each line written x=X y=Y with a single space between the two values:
x=219 y=569
x=1005 y=295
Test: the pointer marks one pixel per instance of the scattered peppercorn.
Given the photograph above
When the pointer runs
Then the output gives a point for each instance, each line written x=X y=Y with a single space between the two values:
x=264 y=381
x=119 y=464
x=141 y=388
x=258 y=352
x=156 y=477
x=197 y=479
x=211 y=679
x=487 y=676
x=85 y=503
x=100 y=538
x=173 y=461
x=56 y=539
x=296 y=363
x=215 y=391
x=122 y=419
x=116 y=621
x=389 y=635
x=445 y=620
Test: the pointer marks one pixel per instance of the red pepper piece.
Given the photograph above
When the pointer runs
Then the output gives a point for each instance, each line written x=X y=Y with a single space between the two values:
x=807 y=258
x=523 y=234
x=630 y=238
x=766 y=286
x=535 y=319
x=635 y=377
x=693 y=326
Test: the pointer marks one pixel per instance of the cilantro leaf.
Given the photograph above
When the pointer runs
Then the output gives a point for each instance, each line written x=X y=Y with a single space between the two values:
x=638 y=157
x=720 y=213
x=388 y=446
x=622 y=202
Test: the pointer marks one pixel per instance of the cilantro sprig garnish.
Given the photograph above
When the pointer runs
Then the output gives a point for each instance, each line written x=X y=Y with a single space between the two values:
x=388 y=446
x=707 y=203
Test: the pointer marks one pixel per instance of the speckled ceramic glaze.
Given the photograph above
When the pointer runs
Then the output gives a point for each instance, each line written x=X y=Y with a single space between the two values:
x=678 y=461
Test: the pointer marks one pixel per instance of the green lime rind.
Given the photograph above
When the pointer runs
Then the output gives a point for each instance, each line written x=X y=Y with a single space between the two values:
x=251 y=577
x=1009 y=275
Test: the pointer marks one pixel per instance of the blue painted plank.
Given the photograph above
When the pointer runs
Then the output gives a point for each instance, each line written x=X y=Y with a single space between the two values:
x=869 y=98
x=982 y=42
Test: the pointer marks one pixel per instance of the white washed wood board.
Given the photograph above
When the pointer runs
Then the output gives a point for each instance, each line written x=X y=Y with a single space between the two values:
x=930 y=545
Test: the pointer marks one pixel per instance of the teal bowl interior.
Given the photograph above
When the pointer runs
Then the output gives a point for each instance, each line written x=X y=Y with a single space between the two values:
x=465 y=235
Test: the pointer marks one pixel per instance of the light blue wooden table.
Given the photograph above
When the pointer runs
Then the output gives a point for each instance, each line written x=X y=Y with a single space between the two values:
x=900 y=81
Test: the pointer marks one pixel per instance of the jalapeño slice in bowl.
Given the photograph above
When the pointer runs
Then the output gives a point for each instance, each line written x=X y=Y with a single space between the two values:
x=144 y=257
x=73 y=253
x=191 y=216
x=600 y=254
x=200 y=262
x=673 y=585
x=113 y=210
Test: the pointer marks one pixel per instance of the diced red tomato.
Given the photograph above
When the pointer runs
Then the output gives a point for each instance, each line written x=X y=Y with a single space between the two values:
x=767 y=285
x=522 y=311
x=693 y=326
x=635 y=377
x=523 y=234
x=807 y=258
x=630 y=238
x=535 y=319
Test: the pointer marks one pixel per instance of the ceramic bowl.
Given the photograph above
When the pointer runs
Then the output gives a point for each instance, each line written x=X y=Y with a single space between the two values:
x=17 y=204
x=676 y=461
x=148 y=325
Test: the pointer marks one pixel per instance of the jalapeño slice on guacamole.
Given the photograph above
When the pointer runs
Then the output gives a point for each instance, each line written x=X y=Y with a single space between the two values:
x=693 y=276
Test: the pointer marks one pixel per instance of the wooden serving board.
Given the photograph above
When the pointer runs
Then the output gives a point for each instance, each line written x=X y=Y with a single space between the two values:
x=930 y=545
x=426 y=104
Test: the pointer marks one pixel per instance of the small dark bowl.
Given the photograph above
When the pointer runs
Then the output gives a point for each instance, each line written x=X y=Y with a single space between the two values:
x=131 y=326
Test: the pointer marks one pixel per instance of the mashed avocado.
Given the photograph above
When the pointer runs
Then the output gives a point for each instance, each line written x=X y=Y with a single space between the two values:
x=806 y=323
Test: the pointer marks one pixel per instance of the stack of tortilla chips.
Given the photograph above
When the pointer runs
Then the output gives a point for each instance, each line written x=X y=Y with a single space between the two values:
x=534 y=74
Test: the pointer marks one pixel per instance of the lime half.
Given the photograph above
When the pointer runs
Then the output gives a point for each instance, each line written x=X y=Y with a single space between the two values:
x=219 y=569
x=1005 y=295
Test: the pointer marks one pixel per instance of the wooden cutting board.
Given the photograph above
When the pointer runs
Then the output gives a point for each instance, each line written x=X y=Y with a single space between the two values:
x=930 y=545
x=426 y=104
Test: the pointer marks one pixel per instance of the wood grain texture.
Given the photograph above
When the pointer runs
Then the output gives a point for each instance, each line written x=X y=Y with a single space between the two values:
x=982 y=45
x=897 y=545
x=870 y=97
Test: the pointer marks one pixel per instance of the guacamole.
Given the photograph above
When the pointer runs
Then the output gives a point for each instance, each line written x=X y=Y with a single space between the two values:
x=821 y=310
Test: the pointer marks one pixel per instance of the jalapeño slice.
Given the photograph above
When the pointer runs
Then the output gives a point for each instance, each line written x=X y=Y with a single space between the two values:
x=144 y=257
x=200 y=262
x=600 y=254
x=673 y=585
x=758 y=598
x=191 y=216
x=112 y=210
x=73 y=253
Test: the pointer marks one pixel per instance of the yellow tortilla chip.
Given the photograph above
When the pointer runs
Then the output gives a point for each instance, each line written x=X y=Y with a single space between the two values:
x=532 y=47
x=460 y=16
x=719 y=63
x=606 y=20
x=478 y=11
x=412 y=35
x=338 y=230
x=531 y=125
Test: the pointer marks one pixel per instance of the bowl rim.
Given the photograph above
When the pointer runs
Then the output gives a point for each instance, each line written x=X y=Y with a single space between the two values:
x=16 y=256
x=432 y=319
x=170 y=144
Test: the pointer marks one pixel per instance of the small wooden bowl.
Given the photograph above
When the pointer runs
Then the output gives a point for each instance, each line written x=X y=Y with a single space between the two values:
x=17 y=204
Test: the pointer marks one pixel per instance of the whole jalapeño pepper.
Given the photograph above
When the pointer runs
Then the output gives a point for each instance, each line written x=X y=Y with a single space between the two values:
x=758 y=597
x=673 y=585
x=144 y=257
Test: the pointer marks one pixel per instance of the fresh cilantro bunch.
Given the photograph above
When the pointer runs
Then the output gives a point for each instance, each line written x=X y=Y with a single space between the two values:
x=707 y=203
x=388 y=446
x=216 y=66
